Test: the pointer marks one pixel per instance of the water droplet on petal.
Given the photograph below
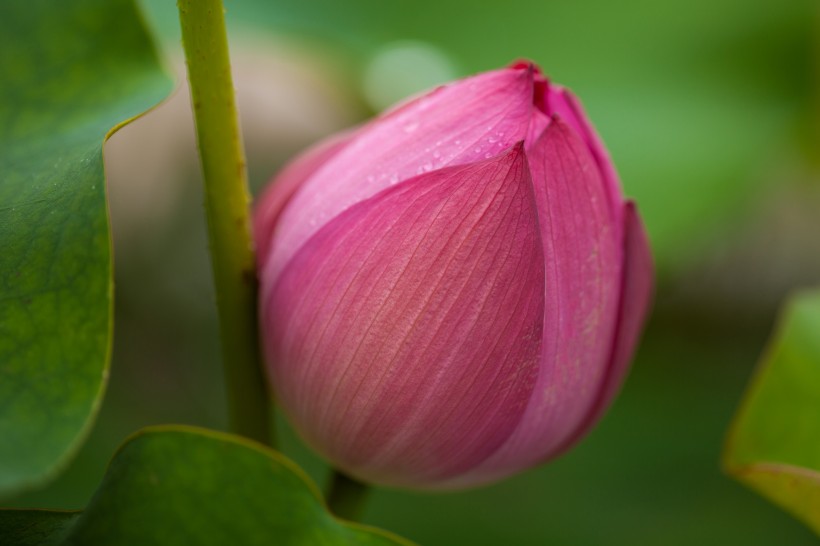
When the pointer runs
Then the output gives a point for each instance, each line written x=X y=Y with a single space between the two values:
x=411 y=126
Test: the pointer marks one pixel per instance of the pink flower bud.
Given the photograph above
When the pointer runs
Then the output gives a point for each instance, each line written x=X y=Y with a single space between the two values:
x=452 y=293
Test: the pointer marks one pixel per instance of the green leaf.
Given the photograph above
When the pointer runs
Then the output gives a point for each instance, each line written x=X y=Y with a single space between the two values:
x=774 y=443
x=69 y=72
x=181 y=485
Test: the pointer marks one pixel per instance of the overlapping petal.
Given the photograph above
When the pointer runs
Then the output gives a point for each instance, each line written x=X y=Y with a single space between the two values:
x=405 y=335
x=561 y=102
x=467 y=121
x=636 y=300
x=453 y=292
x=582 y=251
x=277 y=195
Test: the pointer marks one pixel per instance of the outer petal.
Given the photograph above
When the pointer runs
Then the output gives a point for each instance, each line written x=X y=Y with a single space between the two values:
x=583 y=252
x=470 y=120
x=404 y=337
x=636 y=298
x=561 y=102
x=276 y=196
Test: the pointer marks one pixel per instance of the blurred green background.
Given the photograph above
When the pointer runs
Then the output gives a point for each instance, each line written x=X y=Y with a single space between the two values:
x=711 y=110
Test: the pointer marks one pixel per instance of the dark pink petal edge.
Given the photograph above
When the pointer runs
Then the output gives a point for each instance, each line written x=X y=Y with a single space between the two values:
x=636 y=298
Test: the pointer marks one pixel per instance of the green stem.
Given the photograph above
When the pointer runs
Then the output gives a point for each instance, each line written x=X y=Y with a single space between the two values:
x=346 y=496
x=226 y=204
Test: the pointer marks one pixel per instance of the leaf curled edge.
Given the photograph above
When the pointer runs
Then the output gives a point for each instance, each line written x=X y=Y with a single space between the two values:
x=772 y=445
x=71 y=73
x=185 y=485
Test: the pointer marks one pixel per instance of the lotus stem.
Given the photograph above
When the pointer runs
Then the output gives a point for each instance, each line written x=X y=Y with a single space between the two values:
x=227 y=199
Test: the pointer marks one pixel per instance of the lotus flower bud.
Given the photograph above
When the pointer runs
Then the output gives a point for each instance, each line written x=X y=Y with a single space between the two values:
x=452 y=292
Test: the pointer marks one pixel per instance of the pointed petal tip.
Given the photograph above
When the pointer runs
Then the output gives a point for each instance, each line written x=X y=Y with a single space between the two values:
x=515 y=158
x=559 y=121
x=559 y=130
x=541 y=82
x=526 y=64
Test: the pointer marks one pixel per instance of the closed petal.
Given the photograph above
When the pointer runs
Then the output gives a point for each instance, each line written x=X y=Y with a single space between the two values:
x=564 y=104
x=276 y=196
x=467 y=121
x=404 y=336
x=636 y=299
x=582 y=252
